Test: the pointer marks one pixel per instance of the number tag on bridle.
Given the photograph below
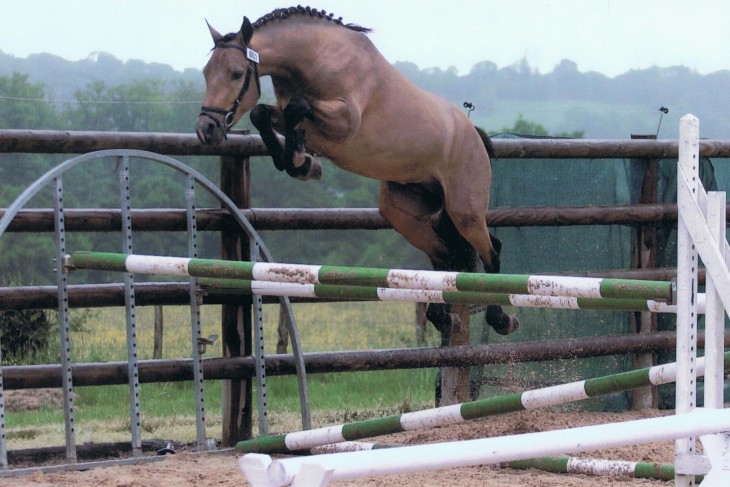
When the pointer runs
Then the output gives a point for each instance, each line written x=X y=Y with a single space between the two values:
x=252 y=55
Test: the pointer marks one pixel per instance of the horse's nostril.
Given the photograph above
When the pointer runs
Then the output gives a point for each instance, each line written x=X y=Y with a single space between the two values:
x=202 y=130
x=208 y=131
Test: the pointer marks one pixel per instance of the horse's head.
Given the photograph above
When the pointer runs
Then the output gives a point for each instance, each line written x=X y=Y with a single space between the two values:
x=232 y=84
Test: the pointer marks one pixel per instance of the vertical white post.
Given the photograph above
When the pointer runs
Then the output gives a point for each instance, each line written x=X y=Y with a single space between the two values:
x=687 y=264
x=715 y=311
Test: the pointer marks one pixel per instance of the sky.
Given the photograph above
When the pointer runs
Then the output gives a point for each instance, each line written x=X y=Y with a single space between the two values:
x=607 y=36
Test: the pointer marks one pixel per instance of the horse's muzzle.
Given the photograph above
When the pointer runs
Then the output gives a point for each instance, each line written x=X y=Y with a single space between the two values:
x=209 y=132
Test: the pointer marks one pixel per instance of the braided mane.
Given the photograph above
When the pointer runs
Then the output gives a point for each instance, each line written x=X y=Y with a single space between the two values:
x=284 y=13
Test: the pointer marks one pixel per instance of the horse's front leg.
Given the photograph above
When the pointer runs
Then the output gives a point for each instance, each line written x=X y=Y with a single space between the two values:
x=297 y=162
x=265 y=118
x=326 y=122
x=459 y=256
x=271 y=120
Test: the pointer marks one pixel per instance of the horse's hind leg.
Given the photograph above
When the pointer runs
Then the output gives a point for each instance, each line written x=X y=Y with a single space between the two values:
x=409 y=208
x=463 y=257
x=500 y=321
x=495 y=316
x=467 y=208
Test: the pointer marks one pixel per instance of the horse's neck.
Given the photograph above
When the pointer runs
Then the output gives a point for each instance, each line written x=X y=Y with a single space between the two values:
x=297 y=56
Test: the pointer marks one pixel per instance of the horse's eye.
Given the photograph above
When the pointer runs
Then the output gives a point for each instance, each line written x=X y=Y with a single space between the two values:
x=236 y=75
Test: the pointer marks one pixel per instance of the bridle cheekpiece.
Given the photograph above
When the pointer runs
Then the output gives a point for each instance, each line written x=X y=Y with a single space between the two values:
x=253 y=61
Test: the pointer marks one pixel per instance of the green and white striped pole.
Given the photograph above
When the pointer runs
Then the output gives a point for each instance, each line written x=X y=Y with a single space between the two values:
x=597 y=467
x=457 y=413
x=563 y=464
x=365 y=293
x=580 y=287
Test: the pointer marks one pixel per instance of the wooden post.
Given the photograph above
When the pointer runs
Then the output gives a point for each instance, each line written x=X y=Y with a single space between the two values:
x=645 y=258
x=455 y=380
x=282 y=343
x=236 y=320
x=159 y=318
x=421 y=323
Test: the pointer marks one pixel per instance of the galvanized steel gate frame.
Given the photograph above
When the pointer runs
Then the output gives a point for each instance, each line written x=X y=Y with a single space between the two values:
x=259 y=251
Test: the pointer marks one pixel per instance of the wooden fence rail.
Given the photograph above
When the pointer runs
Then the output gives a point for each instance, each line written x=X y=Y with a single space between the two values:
x=209 y=219
x=92 y=374
x=77 y=142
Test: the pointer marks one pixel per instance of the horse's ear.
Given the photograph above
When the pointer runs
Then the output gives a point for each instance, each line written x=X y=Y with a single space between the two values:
x=246 y=31
x=214 y=33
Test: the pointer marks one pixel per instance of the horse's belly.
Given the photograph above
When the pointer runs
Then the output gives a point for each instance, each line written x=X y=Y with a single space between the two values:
x=386 y=166
x=385 y=162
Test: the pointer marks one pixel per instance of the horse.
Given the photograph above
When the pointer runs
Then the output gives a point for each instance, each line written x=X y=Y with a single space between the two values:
x=337 y=97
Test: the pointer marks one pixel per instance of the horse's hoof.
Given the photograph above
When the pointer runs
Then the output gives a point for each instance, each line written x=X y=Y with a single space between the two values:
x=508 y=326
x=298 y=159
x=314 y=169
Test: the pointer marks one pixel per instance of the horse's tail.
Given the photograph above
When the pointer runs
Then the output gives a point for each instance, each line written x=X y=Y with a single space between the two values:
x=487 y=142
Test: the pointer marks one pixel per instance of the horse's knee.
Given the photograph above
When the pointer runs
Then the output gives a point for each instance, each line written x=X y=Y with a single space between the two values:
x=297 y=110
x=261 y=117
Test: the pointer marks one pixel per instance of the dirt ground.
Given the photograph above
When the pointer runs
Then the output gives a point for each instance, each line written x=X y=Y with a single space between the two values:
x=221 y=469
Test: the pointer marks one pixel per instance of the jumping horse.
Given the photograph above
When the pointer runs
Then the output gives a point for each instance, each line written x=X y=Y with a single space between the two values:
x=339 y=98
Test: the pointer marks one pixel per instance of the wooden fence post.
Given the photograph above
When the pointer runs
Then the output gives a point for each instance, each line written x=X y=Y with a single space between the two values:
x=645 y=257
x=236 y=320
x=159 y=318
x=282 y=343
x=455 y=380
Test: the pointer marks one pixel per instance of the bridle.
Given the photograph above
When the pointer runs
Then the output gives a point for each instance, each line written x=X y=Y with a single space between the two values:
x=253 y=61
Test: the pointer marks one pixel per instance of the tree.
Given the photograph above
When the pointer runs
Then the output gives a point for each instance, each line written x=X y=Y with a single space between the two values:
x=23 y=104
x=24 y=334
x=185 y=98
x=136 y=107
x=526 y=127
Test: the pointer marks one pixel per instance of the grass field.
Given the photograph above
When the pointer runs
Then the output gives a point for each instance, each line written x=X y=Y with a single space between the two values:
x=102 y=413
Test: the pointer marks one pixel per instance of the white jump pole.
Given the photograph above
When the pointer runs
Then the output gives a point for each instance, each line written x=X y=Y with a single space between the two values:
x=700 y=234
x=318 y=470
x=715 y=320
x=686 y=463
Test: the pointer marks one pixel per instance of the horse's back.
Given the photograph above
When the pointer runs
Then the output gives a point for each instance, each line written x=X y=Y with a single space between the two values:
x=399 y=132
x=409 y=133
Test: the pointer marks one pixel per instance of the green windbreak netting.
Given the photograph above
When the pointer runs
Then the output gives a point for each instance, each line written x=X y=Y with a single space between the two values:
x=573 y=249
